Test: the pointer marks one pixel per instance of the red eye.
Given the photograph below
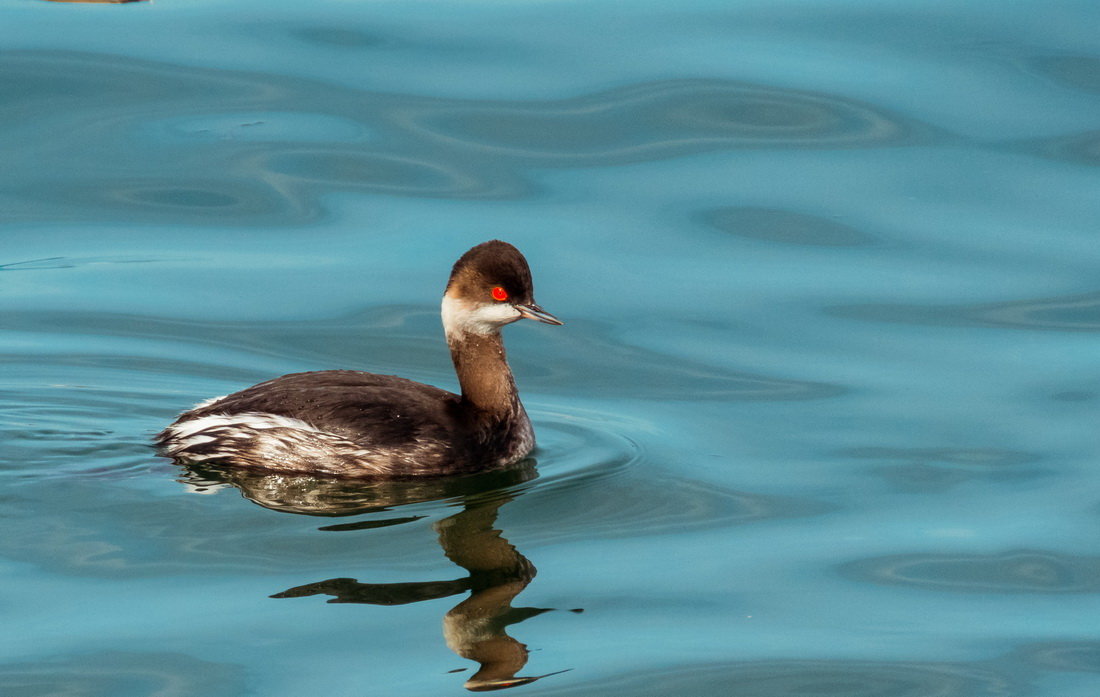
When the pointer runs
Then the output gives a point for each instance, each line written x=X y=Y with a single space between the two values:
x=499 y=293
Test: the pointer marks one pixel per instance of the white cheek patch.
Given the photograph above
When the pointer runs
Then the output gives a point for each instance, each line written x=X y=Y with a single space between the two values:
x=463 y=317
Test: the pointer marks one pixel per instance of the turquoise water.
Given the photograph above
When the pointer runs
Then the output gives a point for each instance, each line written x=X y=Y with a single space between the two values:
x=822 y=419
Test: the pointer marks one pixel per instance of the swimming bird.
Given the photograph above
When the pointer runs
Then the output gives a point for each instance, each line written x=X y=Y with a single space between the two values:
x=357 y=424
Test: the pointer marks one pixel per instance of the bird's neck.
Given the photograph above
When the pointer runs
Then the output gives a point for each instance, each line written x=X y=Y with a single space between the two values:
x=483 y=372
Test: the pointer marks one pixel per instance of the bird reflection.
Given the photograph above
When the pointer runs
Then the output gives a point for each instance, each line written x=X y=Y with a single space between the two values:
x=476 y=628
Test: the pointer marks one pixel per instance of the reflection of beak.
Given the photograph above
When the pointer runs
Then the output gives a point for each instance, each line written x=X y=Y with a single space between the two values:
x=487 y=685
x=535 y=312
x=474 y=685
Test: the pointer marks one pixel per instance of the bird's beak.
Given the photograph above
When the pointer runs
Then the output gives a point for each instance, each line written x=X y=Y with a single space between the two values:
x=535 y=312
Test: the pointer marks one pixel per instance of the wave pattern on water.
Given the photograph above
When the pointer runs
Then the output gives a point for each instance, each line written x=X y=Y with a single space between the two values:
x=408 y=338
x=1070 y=313
x=54 y=263
x=649 y=506
x=118 y=673
x=95 y=538
x=930 y=470
x=594 y=479
x=243 y=150
x=1067 y=656
x=1021 y=571
x=814 y=679
x=665 y=119
x=58 y=431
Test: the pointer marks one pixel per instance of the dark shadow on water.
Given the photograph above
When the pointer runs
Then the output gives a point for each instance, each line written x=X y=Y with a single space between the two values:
x=477 y=627
x=1079 y=72
x=1078 y=148
x=785 y=227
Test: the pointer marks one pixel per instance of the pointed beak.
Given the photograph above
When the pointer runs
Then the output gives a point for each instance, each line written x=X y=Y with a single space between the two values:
x=535 y=312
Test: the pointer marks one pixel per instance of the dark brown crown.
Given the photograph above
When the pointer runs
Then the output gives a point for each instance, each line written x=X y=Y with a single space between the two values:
x=488 y=265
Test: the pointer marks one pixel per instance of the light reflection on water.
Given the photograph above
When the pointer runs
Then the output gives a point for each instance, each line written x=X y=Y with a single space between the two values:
x=821 y=419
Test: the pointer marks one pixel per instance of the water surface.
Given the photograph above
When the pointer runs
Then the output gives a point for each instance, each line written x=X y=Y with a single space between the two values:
x=822 y=419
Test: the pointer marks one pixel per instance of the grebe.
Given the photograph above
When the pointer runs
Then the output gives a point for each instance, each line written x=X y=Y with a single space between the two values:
x=355 y=424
